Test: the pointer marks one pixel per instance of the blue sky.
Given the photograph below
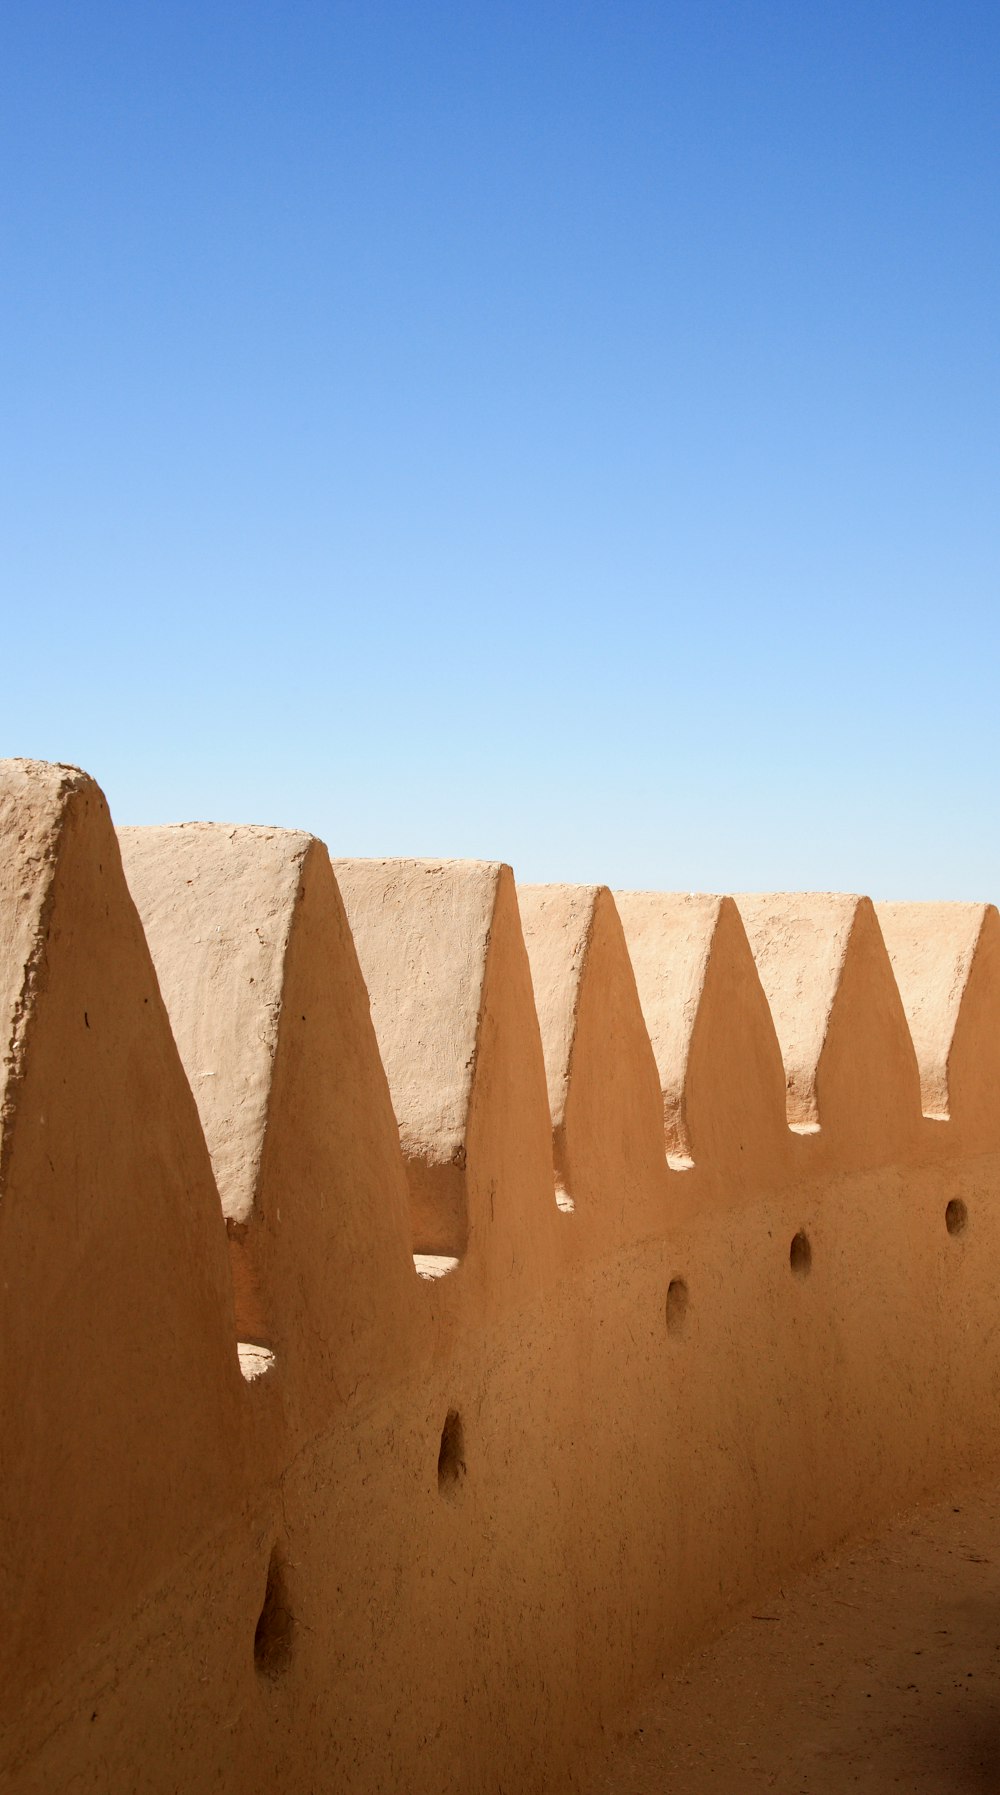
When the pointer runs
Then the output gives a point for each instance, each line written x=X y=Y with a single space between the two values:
x=559 y=433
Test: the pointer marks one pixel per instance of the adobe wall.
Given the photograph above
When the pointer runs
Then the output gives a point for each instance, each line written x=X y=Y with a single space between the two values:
x=403 y=1353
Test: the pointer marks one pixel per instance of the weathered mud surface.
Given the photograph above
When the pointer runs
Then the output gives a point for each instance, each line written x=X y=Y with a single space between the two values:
x=878 y=1671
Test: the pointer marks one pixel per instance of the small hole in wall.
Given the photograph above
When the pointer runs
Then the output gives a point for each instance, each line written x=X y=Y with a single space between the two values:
x=431 y=1266
x=272 y=1640
x=255 y=1360
x=563 y=1199
x=677 y=1306
x=956 y=1216
x=451 y=1457
x=800 y=1255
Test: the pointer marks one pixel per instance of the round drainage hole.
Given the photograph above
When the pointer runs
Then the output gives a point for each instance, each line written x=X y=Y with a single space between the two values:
x=272 y=1640
x=956 y=1216
x=451 y=1457
x=800 y=1255
x=677 y=1306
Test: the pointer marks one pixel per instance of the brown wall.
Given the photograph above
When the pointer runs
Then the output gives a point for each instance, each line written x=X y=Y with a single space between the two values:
x=658 y=1416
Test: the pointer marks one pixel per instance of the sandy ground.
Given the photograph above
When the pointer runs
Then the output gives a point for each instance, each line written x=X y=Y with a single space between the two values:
x=878 y=1670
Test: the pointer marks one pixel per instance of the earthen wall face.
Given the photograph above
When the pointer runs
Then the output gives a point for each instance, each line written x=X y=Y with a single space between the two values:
x=430 y=1307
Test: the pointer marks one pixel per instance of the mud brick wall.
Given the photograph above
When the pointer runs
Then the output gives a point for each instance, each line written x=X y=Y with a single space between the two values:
x=429 y=1306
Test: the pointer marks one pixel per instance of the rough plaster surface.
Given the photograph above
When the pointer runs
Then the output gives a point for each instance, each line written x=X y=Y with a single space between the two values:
x=261 y=980
x=118 y=1377
x=458 y=1525
x=34 y=797
x=719 y=1063
x=608 y=1158
x=217 y=904
x=422 y=930
x=931 y=947
x=442 y=953
x=874 y=1672
x=946 y=960
x=850 y=1065
x=670 y=940
x=558 y=922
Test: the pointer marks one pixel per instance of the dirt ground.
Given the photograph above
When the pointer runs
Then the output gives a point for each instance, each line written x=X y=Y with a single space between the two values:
x=877 y=1671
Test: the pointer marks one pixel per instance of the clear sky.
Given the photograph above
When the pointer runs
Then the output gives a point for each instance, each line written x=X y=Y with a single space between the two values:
x=560 y=433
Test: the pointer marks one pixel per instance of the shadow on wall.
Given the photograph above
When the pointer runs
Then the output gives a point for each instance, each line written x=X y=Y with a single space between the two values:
x=314 y=1123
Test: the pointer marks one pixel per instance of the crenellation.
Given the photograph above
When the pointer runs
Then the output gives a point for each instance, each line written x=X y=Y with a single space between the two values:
x=119 y=1389
x=712 y=1290
x=850 y=1068
x=441 y=950
x=261 y=979
x=610 y=1174
x=946 y=961
x=719 y=1063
